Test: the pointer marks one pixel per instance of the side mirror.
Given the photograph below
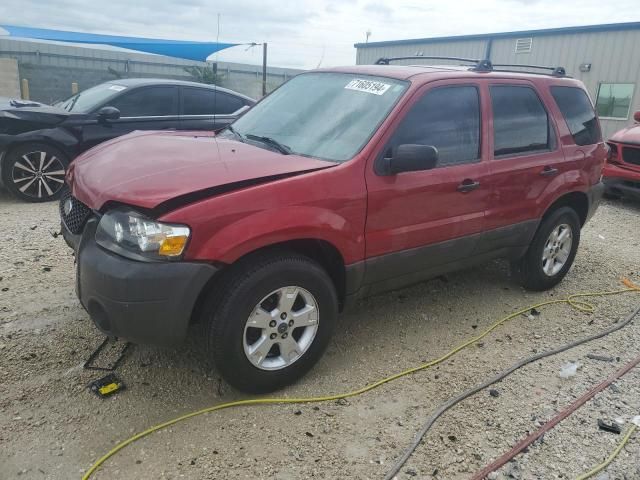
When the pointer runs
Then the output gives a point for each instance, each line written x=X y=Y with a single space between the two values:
x=636 y=116
x=412 y=158
x=108 y=113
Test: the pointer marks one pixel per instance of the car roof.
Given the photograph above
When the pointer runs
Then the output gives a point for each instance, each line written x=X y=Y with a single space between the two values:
x=427 y=73
x=145 y=82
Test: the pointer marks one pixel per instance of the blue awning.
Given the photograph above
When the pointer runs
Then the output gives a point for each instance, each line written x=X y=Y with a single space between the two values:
x=172 y=48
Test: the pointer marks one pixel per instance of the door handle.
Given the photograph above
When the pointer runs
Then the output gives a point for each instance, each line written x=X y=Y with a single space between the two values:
x=549 y=171
x=468 y=185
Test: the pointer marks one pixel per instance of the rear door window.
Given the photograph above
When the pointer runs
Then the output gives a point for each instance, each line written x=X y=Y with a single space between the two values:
x=158 y=101
x=226 y=103
x=578 y=112
x=520 y=122
x=201 y=101
x=198 y=101
x=447 y=118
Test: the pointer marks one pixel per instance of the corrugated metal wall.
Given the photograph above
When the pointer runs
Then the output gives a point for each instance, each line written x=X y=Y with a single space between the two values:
x=51 y=67
x=614 y=57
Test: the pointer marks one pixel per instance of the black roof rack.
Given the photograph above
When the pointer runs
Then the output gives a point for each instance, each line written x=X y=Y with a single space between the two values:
x=478 y=63
x=555 y=71
x=484 y=65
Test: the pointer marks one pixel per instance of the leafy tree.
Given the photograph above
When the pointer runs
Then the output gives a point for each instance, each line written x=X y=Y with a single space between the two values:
x=206 y=75
x=116 y=73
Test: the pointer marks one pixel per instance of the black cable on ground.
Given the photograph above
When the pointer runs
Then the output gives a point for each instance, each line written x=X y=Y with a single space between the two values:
x=472 y=391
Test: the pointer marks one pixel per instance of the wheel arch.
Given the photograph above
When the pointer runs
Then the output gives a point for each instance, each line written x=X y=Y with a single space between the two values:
x=321 y=251
x=11 y=146
x=578 y=201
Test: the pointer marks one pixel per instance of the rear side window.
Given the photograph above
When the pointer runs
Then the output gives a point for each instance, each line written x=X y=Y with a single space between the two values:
x=148 y=102
x=520 y=122
x=200 y=101
x=197 y=101
x=447 y=118
x=228 y=103
x=578 y=112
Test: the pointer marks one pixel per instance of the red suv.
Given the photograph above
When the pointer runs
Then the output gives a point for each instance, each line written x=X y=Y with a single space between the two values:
x=342 y=183
x=622 y=170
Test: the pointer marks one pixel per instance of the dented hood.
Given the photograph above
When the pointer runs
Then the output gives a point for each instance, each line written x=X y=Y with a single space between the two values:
x=154 y=169
x=20 y=116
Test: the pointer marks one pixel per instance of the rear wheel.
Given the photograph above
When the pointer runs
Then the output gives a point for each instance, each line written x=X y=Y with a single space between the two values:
x=551 y=252
x=272 y=321
x=35 y=172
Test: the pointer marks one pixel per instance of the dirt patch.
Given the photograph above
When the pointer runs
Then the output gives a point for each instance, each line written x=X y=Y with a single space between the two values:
x=51 y=426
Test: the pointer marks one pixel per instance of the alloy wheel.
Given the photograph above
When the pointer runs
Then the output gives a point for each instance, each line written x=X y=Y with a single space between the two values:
x=38 y=174
x=557 y=249
x=281 y=328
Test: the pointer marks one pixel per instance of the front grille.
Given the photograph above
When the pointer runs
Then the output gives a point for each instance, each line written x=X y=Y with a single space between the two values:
x=78 y=214
x=631 y=155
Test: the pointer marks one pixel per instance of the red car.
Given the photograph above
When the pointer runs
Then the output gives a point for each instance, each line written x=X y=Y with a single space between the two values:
x=622 y=170
x=342 y=183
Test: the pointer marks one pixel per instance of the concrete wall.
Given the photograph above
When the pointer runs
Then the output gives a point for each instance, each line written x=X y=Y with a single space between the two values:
x=52 y=67
x=9 y=79
x=614 y=56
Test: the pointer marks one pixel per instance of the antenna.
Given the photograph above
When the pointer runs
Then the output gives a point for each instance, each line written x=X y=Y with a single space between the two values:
x=215 y=62
x=321 y=56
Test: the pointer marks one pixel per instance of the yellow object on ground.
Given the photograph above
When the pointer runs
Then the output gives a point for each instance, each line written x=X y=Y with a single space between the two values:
x=610 y=458
x=574 y=301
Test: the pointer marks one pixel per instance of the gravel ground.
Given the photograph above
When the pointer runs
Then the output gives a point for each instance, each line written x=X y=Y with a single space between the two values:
x=51 y=426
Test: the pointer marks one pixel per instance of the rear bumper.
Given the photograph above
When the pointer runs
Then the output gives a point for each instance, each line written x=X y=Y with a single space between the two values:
x=621 y=181
x=143 y=302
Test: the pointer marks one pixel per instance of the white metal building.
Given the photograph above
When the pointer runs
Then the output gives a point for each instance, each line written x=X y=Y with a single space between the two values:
x=605 y=57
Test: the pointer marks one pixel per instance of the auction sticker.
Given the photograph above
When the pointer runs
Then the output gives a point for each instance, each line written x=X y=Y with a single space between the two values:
x=368 y=86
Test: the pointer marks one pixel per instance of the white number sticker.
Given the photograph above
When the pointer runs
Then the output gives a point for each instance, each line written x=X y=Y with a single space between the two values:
x=117 y=88
x=368 y=86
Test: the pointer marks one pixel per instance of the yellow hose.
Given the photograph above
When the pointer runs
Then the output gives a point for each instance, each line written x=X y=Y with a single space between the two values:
x=610 y=458
x=572 y=300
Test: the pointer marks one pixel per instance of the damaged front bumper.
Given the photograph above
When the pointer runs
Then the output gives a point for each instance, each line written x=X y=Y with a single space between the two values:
x=143 y=302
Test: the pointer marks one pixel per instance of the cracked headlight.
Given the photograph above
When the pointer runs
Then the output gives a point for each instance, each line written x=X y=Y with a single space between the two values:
x=133 y=235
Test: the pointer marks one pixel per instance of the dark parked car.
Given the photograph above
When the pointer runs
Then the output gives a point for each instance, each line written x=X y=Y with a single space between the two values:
x=342 y=183
x=38 y=141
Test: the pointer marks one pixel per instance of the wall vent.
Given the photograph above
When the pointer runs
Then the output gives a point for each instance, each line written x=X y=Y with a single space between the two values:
x=523 y=45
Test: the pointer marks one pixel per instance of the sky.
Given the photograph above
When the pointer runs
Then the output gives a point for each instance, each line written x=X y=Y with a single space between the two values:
x=308 y=33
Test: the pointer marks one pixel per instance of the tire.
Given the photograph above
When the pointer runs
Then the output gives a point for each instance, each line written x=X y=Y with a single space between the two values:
x=34 y=172
x=252 y=290
x=547 y=261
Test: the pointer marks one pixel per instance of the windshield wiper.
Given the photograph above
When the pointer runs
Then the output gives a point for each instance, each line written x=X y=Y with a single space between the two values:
x=235 y=132
x=73 y=103
x=272 y=142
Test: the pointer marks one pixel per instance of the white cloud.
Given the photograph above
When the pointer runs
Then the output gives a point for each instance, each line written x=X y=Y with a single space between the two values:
x=306 y=33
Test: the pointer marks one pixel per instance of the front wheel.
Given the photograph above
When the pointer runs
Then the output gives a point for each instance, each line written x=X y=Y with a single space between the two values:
x=35 y=172
x=272 y=321
x=551 y=252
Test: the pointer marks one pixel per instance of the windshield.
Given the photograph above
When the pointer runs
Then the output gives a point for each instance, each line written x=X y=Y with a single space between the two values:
x=88 y=99
x=324 y=115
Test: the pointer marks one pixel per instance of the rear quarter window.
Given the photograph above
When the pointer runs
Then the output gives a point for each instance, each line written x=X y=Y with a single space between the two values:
x=578 y=112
